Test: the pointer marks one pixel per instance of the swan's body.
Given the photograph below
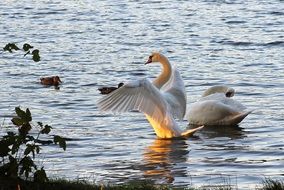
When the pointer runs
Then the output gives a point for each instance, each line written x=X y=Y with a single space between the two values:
x=159 y=106
x=217 y=108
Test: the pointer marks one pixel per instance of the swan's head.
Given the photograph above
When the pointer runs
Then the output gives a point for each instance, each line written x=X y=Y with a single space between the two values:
x=155 y=57
x=230 y=92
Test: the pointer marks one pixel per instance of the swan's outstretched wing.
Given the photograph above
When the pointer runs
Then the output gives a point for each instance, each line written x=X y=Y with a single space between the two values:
x=139 y=95
x=174 y=93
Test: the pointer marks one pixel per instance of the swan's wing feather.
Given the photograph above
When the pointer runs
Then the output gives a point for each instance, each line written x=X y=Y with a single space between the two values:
x=224 y=111
x=234 y=104
x=174 y=93
x=139 y=95
x=208 y=112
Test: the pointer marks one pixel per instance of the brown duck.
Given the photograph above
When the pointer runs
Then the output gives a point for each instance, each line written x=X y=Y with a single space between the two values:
x=107 y=90
x=53 y=81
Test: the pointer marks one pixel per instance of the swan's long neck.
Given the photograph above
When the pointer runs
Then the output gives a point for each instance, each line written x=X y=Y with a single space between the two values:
x=166 y=73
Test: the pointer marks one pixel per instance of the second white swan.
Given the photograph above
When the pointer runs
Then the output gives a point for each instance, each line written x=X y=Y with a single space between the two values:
x=216 y=107
x=160 y=101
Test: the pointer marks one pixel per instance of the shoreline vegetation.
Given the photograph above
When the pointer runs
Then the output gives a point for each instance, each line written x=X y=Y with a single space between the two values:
x=7 y=183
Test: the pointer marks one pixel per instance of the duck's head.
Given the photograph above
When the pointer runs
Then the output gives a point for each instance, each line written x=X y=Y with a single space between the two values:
x=56 y=80
x=154 y=57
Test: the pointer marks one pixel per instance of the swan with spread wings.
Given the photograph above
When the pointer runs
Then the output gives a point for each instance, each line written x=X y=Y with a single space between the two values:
x=161 y=101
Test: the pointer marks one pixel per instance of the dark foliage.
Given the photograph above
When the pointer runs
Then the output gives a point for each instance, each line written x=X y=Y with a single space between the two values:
x=18 y=150
x=26 y=47
x=11 y=46
x=269 y=184
x=8 y=184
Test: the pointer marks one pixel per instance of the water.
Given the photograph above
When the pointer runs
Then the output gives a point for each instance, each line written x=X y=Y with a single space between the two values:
x=90 y=44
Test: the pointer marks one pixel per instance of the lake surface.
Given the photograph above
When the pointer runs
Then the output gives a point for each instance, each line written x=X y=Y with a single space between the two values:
x=90 y=44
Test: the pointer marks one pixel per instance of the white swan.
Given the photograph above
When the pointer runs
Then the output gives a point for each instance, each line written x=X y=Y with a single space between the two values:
x=160 y=101
x=217 y=108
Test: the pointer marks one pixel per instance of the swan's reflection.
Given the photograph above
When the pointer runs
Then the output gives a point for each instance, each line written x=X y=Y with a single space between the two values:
x=161 y=160
x=232 y=132
x=221 y=139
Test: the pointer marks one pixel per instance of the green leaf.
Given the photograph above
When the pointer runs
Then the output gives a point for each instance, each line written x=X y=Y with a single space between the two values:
x=17 y=121
x=4 y=169
x=27 y=164
x=25 y=116
x=20 y=113
x=26 y=47
x=35 y=52
x=30 y=138
x=61 y=141
x=36 y=56
x=28 y=149
x=15 y=148
x=10 y=138
x=40 y=124
x=10 y=169
x=4 y=149
x=33 y=151
x=16 y=144
x=28 y=115
x=22 y=171
x=46 y=129
x=31 y=148
x=11 y=134
x=40 y=176
x=24 y=129
x=12 y=159
x=7 y=48
x=37 y=149
x=56 y=139
x=14 y=46
x=62 y=144
x=10 y=46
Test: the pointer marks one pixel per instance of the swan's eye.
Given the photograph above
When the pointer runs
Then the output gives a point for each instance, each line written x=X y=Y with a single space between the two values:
x=150 y=57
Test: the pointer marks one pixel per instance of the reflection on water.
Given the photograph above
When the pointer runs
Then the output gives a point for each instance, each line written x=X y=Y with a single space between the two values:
x=161 y=157
x=232 y=132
